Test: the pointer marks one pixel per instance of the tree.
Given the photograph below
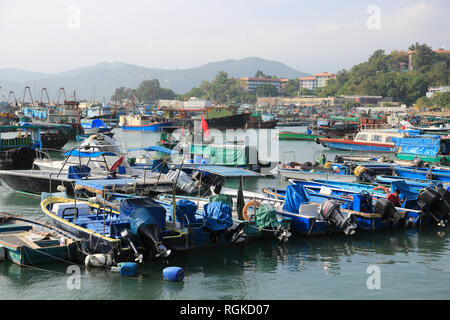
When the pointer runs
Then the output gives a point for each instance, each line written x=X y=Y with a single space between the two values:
x=423 y=103
x=440 y=99
x=266 y=90
x=259 y=74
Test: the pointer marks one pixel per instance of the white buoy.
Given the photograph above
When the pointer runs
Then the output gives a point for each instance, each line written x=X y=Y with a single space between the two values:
x=98 y=260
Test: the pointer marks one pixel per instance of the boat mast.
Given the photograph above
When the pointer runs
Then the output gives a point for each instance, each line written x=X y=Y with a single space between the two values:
x=25 y=94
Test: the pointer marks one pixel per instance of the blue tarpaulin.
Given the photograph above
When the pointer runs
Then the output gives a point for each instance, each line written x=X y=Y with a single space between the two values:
x=420 y=145
x=406 y=190
x=142 y=211
x=97 y=123
x=295 y=195
x=217 y=216
x=186 y=210
x=78 y=172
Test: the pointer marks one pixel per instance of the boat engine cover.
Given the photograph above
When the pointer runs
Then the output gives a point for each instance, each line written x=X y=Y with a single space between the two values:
x=386 y=209
x=430 y=199
x=330 y=211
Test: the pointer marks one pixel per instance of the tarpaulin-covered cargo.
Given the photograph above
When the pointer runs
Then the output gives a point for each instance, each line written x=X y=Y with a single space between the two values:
x=419 y=145
x=142 y=211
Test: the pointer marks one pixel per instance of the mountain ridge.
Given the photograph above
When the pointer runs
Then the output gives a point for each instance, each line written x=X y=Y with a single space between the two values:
x=107 y=76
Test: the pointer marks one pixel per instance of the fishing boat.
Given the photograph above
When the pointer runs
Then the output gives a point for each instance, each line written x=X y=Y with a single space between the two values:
x=120 y=235
x=297 y=173
x=423 y=173
x=95 y=126
x=65 y=113
x=29 y=242
x=291 y=135
x=142 y=123
x=367 y=215
x=257 y=121
x=334 y=128
x=38 y=181
x=369 y=141
x=18 y=152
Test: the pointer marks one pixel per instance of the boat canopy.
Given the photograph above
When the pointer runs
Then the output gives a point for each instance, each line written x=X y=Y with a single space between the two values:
x=77 y=153
x=156 y=148
x=420 y=145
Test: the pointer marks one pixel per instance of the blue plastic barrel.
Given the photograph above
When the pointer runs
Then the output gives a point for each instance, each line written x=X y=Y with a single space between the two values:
x=128 y=269
x=174 y=274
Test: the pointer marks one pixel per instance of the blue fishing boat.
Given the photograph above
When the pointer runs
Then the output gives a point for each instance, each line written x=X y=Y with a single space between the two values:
x=142 y=123
x=95 y=126
x=423 y=173
x=366 y=213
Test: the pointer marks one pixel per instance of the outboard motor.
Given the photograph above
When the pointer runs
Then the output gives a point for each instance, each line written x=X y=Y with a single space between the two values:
x=150 y=237
x=147 y=219
x=444 y=192
x=330 y=211
x=386 y=209
x=235 y=233
x=125 y=234
x=433 y=203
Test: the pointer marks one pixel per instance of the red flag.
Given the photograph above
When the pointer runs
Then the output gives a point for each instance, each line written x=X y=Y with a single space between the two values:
x=205 y=127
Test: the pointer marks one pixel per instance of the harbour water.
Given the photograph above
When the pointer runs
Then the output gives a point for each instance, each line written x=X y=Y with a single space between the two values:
x=409 y=264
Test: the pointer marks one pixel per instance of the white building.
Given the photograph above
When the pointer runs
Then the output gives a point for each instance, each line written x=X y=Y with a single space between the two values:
x=433 y=90
x=197 y=103
x=319 y=80
x=309 y=83
x=253 y=83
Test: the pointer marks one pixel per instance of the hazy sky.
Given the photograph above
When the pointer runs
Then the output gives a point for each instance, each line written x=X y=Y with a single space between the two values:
x=310 y=36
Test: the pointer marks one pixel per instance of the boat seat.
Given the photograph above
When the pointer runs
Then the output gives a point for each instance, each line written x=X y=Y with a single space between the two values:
x=58 y=209
x=310 y=210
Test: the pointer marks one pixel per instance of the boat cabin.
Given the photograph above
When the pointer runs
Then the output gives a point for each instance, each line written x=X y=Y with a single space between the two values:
x=377 y=136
